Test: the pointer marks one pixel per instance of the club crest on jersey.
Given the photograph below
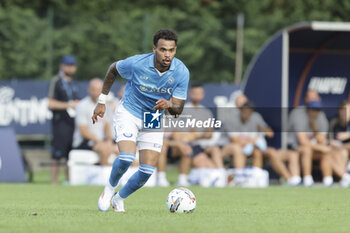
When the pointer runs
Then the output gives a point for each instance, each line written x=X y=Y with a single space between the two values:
x=156 y=90
x=128 y=135
x=171 y=80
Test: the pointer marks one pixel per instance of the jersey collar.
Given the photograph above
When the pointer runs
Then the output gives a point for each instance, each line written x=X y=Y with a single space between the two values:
x=151 y=63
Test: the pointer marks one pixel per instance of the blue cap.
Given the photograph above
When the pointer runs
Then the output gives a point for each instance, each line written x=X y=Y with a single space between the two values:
x=68 y=60
x=315 y=105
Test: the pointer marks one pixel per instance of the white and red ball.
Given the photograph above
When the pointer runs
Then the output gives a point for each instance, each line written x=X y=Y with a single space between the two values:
x=181 y=200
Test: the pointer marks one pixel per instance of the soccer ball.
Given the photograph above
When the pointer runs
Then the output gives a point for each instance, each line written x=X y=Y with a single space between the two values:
x=181 y=200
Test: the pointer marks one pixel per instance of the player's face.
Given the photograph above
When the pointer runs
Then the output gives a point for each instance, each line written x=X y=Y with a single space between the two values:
x=241 y=100
x=245 y=113
x=164 y=51
x=313 y=114
x=69 y=70
x=312 y=95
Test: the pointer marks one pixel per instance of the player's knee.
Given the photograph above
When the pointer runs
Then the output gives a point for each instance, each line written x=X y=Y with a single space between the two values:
x=187 y=152
x=271 y=154
x=126 y=157
x=294 y=156
x=235 y=148
x=305 y=150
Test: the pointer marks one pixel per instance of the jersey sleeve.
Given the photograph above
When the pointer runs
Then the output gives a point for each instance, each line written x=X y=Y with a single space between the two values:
x=180 y=91
x=125 y=67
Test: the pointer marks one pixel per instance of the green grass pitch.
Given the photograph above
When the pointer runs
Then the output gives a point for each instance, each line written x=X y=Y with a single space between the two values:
x=48 y=208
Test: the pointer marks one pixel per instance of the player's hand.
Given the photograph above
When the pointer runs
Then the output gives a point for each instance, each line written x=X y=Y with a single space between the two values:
x=162 y=104
x=99 y=111
x=342 y=136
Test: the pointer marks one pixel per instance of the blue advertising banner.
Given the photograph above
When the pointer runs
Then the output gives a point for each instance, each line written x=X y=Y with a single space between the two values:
x=11 y=165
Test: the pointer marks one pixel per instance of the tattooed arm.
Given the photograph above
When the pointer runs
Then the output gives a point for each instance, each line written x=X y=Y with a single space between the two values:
x=111 y=74
x=174 y=105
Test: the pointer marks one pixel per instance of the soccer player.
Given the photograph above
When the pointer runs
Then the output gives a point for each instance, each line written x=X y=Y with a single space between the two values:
x=156 y=81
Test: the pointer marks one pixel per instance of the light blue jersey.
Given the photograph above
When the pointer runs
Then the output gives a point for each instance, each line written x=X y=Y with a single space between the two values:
x=146 y=86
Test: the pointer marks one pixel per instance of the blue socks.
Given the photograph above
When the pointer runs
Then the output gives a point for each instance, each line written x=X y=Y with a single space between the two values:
x=120 y=166
x=137 y=180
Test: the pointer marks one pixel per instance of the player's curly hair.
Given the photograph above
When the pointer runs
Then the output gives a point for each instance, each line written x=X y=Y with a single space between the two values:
x=165 y=34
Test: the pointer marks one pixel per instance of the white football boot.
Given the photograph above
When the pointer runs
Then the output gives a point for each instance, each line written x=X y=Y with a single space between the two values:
x=294 y=181
x=327 y=181
x=163 y=183
x=308 y=181
x=104 y=202
x=345 y=180
x=162 y=180
x=118 y=203
x=183 y=181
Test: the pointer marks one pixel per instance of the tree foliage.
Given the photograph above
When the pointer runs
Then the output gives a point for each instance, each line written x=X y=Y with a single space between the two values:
x=99 y=32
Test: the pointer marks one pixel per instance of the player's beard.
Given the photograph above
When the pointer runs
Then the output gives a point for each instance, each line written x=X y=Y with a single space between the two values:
x=163 y=67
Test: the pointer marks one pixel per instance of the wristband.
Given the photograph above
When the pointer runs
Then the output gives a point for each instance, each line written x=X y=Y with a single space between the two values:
x=102 y=99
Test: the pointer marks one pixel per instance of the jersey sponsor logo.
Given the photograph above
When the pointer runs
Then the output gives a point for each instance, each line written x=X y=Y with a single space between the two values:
x=156 y=90
x=151 y=120
x=328 y=85
x=143 y=88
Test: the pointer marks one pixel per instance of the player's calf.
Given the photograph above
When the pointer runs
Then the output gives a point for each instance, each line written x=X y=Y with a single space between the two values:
x=120 y=166
x=137 y=180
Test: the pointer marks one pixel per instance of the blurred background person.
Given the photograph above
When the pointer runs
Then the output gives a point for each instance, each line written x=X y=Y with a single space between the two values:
x=200 y=112
x=339 y=126
x=310 y=133
x=62 y=100
x=97 y=137
x=175 y=147
x=339 y=136
x=205 y=152
x=247 y=135
x=240 y=100
x=300 y=111
x=291 y=171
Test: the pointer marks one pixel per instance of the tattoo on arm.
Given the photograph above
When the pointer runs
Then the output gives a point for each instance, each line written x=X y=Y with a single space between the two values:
x=111 y=74
x=177 y=106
